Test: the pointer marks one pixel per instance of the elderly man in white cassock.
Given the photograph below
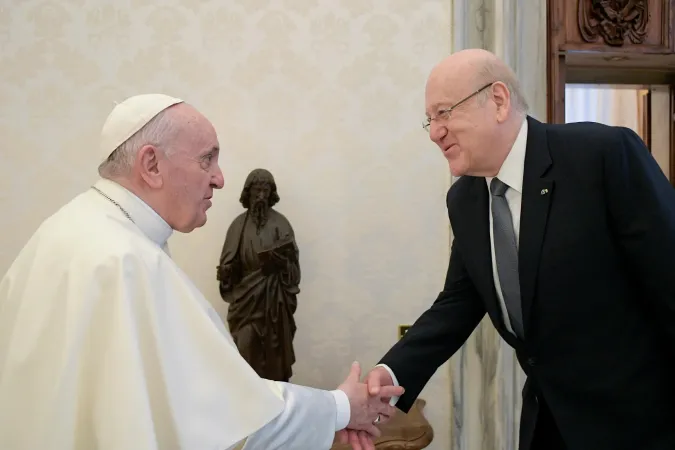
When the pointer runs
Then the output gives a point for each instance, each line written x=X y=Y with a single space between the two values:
x=105 y=344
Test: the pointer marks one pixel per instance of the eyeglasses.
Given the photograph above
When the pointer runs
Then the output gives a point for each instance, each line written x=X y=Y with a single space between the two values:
x=444 y=114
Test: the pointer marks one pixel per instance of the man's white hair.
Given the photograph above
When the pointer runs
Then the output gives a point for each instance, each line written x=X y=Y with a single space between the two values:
x=158 y=132
x=493 y=71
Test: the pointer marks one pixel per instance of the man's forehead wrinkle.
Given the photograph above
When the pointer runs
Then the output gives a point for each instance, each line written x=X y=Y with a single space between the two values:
x=442 y=96
x=451 y=79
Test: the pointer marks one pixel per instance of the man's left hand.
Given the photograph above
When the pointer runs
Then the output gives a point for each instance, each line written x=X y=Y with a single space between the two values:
x=359 y=440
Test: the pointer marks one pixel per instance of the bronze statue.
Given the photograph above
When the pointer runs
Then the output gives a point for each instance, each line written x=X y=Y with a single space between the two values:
x=258 y=277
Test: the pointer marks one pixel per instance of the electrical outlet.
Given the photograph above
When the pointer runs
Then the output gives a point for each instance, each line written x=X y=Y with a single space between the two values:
x=402 y=330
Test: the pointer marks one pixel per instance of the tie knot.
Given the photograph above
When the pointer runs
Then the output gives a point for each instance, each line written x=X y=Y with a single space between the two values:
x=498 y=187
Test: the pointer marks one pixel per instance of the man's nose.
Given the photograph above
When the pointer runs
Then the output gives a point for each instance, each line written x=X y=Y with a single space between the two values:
x=437 y=132
x=218 y=179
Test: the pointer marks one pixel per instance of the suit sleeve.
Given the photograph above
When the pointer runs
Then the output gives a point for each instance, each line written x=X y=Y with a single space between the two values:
x=641 y=206
x=437 y=334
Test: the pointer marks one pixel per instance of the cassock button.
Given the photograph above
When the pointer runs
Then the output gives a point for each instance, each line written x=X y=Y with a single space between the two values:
x=531 y=361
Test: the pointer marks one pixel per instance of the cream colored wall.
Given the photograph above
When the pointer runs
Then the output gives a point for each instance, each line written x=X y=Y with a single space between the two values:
x=327 y=95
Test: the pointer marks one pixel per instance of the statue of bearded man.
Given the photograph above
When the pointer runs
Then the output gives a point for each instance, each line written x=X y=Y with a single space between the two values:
x=258 y=277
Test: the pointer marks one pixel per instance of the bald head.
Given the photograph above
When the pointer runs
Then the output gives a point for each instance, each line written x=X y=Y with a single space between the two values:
x=475 y=110
x=468 y=70
x=463 y=63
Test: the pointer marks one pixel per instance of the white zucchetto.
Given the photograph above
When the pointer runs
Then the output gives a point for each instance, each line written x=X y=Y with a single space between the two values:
x=130 y=116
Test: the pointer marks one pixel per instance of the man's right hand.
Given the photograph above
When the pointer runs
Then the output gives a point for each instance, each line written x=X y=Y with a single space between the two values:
x=377 y=378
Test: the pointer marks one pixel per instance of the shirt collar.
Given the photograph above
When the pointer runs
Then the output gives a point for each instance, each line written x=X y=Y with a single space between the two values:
x=149 y=222
x=513 y=167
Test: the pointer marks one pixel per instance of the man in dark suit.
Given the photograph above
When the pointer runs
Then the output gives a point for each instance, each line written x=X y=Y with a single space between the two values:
x=565 y=236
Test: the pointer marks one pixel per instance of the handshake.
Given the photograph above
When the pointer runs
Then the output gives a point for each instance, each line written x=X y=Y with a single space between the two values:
x=369 y=405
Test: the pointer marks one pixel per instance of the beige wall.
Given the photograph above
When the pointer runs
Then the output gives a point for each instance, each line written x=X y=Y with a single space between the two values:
x=326 y=95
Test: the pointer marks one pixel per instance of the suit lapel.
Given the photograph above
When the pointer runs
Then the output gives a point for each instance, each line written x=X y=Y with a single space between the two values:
x=536 y=202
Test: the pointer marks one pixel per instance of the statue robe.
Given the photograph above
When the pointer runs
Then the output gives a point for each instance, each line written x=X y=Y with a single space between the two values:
x=261 y=305
x=105 y=344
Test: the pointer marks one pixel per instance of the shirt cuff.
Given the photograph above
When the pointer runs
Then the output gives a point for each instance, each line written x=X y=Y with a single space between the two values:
x=394 y=399
x=343 y=410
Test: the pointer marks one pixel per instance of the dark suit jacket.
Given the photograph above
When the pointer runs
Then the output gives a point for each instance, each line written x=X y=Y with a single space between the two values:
x=597 y=274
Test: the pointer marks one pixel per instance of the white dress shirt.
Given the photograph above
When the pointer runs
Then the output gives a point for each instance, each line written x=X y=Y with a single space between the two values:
x=511 y=173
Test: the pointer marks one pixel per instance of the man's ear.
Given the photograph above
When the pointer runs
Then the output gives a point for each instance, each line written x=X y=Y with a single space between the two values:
x=147 y=161
x=502 y=98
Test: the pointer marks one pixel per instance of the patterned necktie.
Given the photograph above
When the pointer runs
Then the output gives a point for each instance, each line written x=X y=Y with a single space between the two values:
x=506 y=254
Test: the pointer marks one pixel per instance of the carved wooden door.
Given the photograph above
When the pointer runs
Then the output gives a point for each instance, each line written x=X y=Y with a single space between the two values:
x=630 y=25
x=615 y=42
x=672 y=134
x=608 y=41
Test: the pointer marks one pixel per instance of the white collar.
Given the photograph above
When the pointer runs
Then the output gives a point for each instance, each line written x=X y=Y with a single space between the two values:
x=146 y=218
x=513 y=167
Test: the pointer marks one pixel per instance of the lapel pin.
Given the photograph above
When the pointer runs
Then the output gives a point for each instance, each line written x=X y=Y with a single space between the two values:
x=544 y=191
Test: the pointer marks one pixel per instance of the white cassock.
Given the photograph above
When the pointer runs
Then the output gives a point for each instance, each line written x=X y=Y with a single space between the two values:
x=105 y=344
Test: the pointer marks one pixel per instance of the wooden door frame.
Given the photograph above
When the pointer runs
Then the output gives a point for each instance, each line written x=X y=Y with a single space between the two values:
x=555 y=62
x=672 y=134
x=596 y=64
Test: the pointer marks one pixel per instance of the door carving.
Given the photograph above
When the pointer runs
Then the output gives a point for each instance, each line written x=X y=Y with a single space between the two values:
x=614 y=21
x=611 y=42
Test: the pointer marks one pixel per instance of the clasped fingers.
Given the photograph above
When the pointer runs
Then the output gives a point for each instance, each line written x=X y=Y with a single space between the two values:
x=391 y=391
